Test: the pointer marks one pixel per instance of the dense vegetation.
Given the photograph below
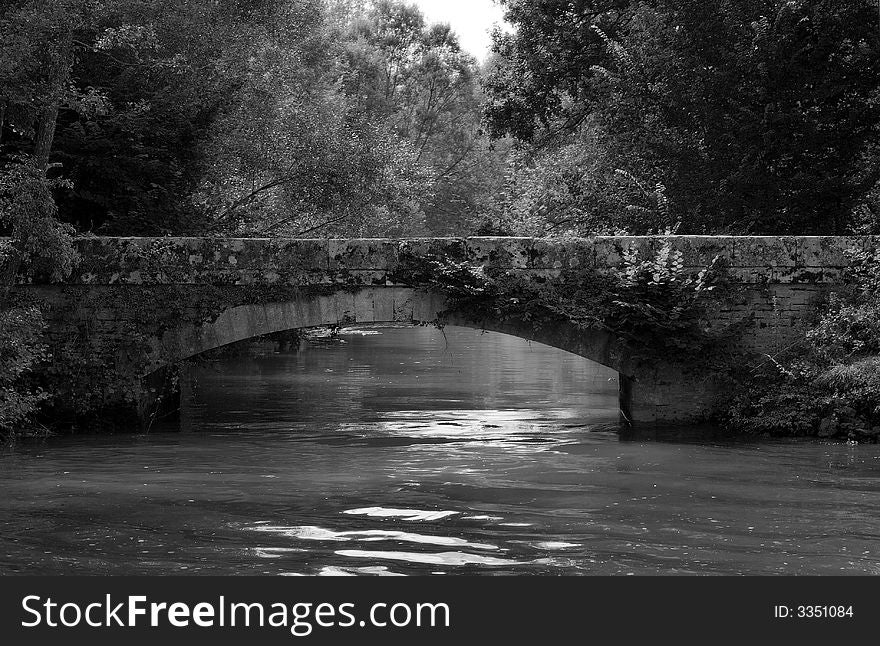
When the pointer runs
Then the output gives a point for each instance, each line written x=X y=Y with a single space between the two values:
x=738 y=116
x=354 y=118
x=296 y=117
x=260 y=117
x=652 y=308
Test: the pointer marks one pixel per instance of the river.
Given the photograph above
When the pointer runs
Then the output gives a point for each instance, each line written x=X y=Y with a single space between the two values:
x=419 y=451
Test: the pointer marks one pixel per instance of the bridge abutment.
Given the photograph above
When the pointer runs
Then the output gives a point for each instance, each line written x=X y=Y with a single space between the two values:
x=667 y=394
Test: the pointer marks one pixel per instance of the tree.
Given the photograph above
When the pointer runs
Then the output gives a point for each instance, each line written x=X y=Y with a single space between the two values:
x=543 y=71
x=39 y=246
x=416 y=78
x=746 y=116
x=248 y=117
x=293 y=154
x=140 y=85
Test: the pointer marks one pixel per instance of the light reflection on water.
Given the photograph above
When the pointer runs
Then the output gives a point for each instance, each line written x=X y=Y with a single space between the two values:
x=408 y=452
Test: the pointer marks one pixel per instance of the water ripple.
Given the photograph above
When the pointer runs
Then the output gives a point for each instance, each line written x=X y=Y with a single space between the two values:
x=440 y=558
x=403 y=514
x=309 y=533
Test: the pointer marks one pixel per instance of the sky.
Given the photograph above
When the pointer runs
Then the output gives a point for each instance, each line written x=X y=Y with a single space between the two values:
x=470 y=19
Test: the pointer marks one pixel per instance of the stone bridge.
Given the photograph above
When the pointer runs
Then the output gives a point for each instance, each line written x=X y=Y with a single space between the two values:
x=142 y=305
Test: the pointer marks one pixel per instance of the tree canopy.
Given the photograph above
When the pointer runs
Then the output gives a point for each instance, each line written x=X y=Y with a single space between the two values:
x=259 y=117
x=355 y=118
x=744 y=116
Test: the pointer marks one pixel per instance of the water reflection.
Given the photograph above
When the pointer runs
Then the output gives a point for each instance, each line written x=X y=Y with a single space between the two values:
x=407 y=452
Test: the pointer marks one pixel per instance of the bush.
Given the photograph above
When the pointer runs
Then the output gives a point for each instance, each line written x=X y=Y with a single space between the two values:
x=21 y=349
x=39 y=246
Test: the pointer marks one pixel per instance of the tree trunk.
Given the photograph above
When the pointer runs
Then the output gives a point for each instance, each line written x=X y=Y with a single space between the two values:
x=48 y=118
x=45 y=135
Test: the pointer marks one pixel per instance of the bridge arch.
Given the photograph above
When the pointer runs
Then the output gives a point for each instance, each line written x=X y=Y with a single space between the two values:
x=368 y=305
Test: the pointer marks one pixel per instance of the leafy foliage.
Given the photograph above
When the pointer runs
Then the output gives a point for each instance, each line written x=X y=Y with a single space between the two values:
x=21 y=349
x=39 y=246
x=654 y=308
x=292 y=153
x=573 y=188
x=741 y=116
x=253 y=117
x=417 y=79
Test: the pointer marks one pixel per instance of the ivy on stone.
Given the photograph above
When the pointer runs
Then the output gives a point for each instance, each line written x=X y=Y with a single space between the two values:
x=654 y=306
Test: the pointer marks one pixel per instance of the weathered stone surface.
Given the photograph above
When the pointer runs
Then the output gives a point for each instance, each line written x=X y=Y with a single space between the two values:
x=827 y=251
x=765 y=252
x=562 y=254
x=367 y=254
x=214 y=261
x=510 y=253
x=700 y=251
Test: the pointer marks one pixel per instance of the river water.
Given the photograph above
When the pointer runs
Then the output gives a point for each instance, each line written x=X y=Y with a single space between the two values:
x=414 y=451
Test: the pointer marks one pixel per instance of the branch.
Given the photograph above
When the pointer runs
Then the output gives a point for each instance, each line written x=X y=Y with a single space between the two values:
x=455 y=164
x=570 y=124
x=274 y=226
x=322 y=225
x=557 y=224
x=95 y=50
x=247 y=198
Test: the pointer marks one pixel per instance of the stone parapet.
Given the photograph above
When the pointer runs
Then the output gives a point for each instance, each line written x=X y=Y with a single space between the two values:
x=257 y=261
